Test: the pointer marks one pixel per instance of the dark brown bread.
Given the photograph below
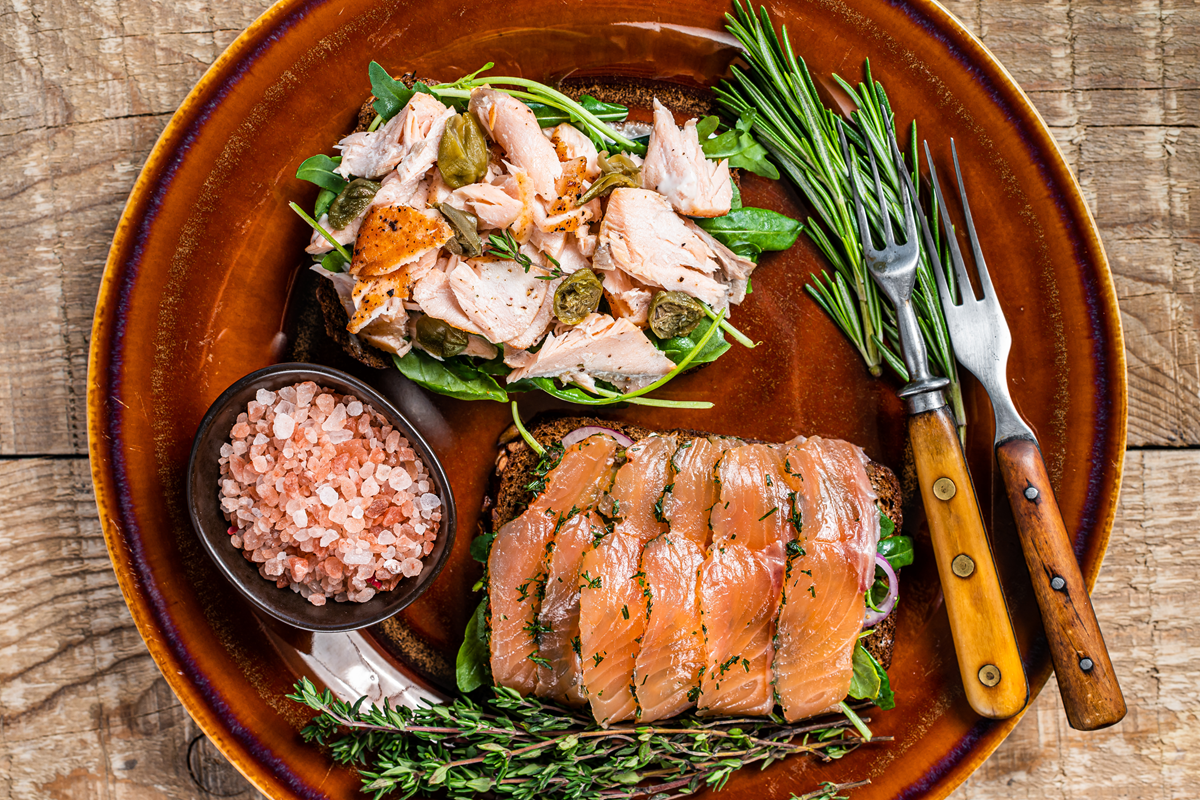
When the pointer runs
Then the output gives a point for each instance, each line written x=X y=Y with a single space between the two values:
x=516 y=462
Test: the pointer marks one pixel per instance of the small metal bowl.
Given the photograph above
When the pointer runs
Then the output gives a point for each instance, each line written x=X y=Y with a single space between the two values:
x=210 y=523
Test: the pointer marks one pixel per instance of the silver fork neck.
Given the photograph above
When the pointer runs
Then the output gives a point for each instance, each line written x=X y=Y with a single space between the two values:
x=923 y=392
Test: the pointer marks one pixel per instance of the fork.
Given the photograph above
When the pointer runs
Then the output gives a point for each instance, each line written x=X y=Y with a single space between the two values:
x=988 y=659
x=1091 y=696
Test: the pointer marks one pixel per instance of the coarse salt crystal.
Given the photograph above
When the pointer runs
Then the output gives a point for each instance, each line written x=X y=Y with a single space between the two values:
x=411 y=567
x=354 y=409
x=399 y=480
x=300 y=518
x=329 y=537
x=382 y=471
x=386 y=538
x=328 y=495
x=265 y=397
x=283 y=426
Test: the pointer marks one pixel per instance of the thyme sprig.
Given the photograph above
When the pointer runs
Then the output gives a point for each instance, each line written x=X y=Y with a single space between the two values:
x=801 y=135
x=522 y=748
x=505 y=245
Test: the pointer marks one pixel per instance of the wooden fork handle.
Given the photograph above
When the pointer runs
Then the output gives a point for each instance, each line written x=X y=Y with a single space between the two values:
x=1086 y=680
x=988 y=659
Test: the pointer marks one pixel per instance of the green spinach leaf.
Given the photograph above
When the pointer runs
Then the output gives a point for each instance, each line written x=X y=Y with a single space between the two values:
x=324 y=200
x=676 y=348
x=333 y=261
x=472 y=669
x=572 y=394
x=319 y=170
x=864 y=683
x=454 y=377
x=390 y=94
x=898 y=550
x=481 y=546
x=737 y=145
x=549 y=116
x=886 y=526
x=750 y=231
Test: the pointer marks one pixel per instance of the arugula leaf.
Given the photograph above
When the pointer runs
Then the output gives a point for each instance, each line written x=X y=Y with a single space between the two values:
x=676 y=348
x=865 y=682
x=736 y=203
x=750 y=231
x=471 y=668
x=390 y=94
x=737 y=145
x=886 y=526
x=319 y=170
x=549 y=116
x=898 y=550
x=886 y=698
x=453 y=377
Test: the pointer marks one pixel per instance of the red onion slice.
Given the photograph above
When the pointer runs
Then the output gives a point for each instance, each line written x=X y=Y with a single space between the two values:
x=579 y=434
x=874 y=617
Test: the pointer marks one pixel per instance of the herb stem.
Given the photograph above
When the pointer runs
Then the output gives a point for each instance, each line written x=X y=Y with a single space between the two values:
x=526 y=435
x=317 y=227
x=738 y=336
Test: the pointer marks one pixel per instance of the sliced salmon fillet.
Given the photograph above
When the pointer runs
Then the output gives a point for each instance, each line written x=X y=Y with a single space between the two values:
x=693 y=491
x=666 y=674
x=514 y=126
x=516 y=564
x=612 y=619
x=822 y=611
x=560 y=671
x=638 y=489
x=739 y=598
x=755 y=504
x=677 y=167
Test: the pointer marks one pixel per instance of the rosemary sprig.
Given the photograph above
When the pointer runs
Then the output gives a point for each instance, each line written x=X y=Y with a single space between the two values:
x=520 y=747
x=801 y=135
x=505 y=245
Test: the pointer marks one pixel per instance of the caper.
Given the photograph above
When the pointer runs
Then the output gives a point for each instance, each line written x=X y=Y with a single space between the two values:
x=466 y=241
x=351 y=201
x=605 y=185
x=463 y=152
x=577 y=296
x=674 y=314
x=438 y=338
x=618 y=163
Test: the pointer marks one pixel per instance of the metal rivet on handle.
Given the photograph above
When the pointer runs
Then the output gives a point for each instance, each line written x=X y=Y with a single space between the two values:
x=944 y=488
x=1031 y=493
x=989 y=675
x=1057 y=583
x=1086 y=664
x=962 y=565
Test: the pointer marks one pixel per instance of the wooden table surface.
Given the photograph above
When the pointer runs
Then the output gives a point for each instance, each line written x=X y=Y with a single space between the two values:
x=85 y=88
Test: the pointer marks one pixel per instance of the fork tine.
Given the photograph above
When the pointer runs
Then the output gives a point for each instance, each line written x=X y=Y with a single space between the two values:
x=985 y=279
x=860 y=213
x=939 y=274
x=910 y=222
x=960 y=268
x=881 y=198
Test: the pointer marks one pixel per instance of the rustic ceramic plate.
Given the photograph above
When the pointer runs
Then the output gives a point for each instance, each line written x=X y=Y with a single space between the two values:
x=196 y=294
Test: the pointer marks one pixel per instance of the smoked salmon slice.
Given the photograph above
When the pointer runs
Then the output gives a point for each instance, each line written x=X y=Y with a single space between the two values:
x=693 y=492
x=638 y=490
x=755 y=503
x=739 y=598
x=560 y=671
x=666 y=674
x=516 y=563
x=612 y=620
x=822 y=608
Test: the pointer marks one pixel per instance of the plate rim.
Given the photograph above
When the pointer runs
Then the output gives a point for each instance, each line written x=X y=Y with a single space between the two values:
x=134 y=214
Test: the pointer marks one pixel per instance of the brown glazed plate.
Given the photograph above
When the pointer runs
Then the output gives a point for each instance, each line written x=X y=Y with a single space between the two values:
x=202 y=287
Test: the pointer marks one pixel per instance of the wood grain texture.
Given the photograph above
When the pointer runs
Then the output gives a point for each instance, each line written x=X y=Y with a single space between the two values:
x=88 y=86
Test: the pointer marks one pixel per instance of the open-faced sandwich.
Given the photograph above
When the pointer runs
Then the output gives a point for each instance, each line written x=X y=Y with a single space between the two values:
x=646 y=574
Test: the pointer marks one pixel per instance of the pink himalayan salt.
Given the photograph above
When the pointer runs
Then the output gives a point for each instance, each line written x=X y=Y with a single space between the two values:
x=304 y=456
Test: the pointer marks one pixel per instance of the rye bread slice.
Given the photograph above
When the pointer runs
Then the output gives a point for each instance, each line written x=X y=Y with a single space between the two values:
x=515 y=471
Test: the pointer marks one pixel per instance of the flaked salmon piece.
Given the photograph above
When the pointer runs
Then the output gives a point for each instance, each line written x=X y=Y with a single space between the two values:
x=375 y=153
x=666 y=674
x=571 y=184
x=612 y=619
x=586 y=240
x=675 y=167
x=514 y=126
x=516 y=564
x=491 y=205
x=391 y=237
x=518 y=185
x=739 y=599
x=498 y=295
x=381 y=299
x=614 y=350
x=560 y=671
x=642 y=235
x=541 y=320
x=755 y=503
x=571 y=143
x=638 y=489
x=319 y=245
x=822 y=611
x=735 y=268
x=434 y=295
x=694 y=490
x=627 y=298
